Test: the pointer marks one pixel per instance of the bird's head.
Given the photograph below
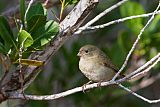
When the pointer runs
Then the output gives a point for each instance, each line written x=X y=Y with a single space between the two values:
x=88 y=51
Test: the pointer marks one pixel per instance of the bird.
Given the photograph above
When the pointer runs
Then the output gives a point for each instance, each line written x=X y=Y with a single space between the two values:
x=95 y=64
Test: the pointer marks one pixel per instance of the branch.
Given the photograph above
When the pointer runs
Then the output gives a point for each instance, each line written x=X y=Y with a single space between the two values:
x=67 y=27
x=17 y=95
x=100 y=15
x=118 y=21
x=139 y=96
x=59 y=95
x=147 y=69
x=147 y=64
x=146 y=82
x=135 y=43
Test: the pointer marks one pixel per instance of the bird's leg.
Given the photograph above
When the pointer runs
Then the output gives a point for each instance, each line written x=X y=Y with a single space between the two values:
x=84 y=86
x=99 y=83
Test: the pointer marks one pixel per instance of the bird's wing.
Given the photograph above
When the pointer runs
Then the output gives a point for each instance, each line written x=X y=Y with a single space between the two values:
x=110 y=65
x=107 y=62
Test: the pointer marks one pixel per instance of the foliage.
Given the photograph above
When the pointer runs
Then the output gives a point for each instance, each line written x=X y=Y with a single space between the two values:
x=35 y=31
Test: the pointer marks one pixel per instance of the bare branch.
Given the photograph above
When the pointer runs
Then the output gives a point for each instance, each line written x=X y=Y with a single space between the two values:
x=135 y=43
x=100 y=15
x=46 y=2
x=14 y=95
x=59 y=95
x=146 y=82
x=147 y=69
x=137 y=95
x=119 y=20
x=147 y=64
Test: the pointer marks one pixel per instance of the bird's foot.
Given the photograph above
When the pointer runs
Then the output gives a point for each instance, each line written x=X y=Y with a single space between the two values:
x=99 y=84
x=84 y=86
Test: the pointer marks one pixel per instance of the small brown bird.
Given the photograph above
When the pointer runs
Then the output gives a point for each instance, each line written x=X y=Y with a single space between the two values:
x=95 y=65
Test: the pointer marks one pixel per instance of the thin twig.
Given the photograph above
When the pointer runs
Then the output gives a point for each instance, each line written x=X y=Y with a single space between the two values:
x=135 y=43
x=147 y=69
x=137 y=95
x=146 y=82
x=29 y=5
x=150 y=62
x=100 y=15
x=21 y=76
x=118 y=21
x=46 y=2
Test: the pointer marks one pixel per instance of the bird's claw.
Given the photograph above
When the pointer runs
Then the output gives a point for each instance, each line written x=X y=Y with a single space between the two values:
x=99 y=84
x=84 y=86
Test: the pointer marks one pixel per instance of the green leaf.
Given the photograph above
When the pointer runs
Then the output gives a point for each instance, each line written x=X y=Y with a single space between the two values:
x=36 y=9
x=36 y=17
x=129 y=9
x=24 y=39
x=70 y=2
x=45 y=33
x=35 y=22
x=155 y=24
x=22 y=11
x=6 y=33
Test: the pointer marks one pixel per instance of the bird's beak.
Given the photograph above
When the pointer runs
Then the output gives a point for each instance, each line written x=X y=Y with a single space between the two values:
x=79 y=54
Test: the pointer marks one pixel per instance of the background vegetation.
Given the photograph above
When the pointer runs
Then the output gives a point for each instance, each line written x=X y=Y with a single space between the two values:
x=62 y=73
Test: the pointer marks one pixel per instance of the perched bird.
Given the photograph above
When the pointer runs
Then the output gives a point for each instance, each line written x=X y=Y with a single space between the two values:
x=95 y=65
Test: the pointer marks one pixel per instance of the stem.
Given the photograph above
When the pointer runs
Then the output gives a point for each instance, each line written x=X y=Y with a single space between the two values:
x=62 y=9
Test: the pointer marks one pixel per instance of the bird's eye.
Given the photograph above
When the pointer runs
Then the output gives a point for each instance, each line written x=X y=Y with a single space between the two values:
x=86 y=51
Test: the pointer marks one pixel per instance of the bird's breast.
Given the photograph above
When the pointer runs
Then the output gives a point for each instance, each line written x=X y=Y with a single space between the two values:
x=95 y=71
x=86 y=65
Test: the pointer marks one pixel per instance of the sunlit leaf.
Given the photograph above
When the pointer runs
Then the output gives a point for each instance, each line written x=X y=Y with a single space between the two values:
x=24 y=39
